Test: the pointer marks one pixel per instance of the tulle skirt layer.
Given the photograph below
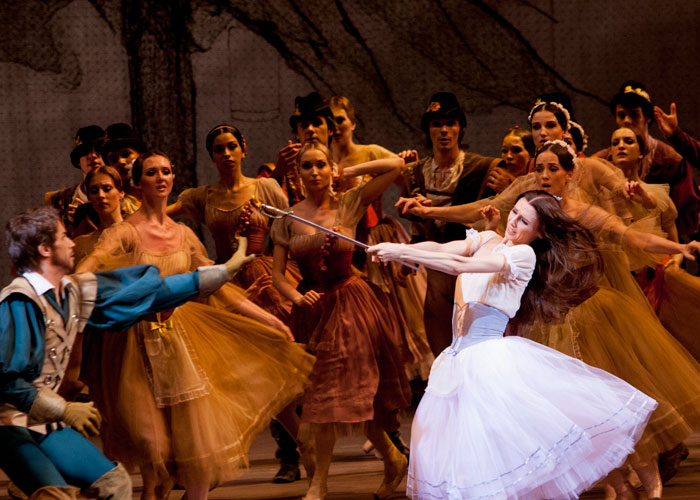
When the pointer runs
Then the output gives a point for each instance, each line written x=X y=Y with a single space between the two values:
x=406 y=293
x=511 y=419
x=615 y=333
x=269 y=298
x=679 y=307
x=187 y=396
x=359 y=371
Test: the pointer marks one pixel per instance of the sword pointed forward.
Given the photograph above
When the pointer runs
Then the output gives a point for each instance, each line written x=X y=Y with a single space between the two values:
x=277 y=213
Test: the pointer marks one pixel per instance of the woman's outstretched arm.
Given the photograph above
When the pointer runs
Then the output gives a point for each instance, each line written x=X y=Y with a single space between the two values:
x=438 y=259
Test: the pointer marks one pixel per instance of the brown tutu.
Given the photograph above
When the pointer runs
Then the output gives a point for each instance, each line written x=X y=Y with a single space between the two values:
x=359 y=370
x=406 y=295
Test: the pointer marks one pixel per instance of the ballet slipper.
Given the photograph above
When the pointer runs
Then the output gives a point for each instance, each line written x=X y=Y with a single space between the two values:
x=316 y=493
x=163 y=489
x=368 y=447
x=610 y=493
x=394 y=472
x=628 y=493
x=650 y=478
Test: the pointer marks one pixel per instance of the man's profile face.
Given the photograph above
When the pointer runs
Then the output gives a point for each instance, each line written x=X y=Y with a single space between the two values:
x=314 y=129
x=62 y=255
x=632 y=118
x=444 y=134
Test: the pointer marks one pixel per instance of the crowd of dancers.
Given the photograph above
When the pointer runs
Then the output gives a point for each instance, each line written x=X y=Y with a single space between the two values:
x=551 y=312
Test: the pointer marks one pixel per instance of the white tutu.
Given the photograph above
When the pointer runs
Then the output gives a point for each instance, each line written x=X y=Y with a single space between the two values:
x=507 y=418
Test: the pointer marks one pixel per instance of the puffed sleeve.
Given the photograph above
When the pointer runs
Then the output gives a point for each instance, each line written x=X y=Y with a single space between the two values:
x=351 y=207
x=477 y=239
x=113 y=250
x=192 y=202
x=198 y=252
x=520 y=262
x=271 y=193
x=21 y=350
x=280 y=232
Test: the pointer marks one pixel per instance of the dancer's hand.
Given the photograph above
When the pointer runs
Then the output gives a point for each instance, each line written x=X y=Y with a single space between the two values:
x=386 y=251
x=492 y=216
x=689 y=249
x=674 y=262
x=499 y=178
x=409 y=155
x=668 y=123
x=636 y=192
x=412 y=206
x=256 y=287
x=278 y=324
x=239 y=259
x=308 y=299
x=286 y=158
x=83 y=417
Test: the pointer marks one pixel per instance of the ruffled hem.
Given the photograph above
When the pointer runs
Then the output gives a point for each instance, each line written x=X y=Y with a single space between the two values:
x=508 y=419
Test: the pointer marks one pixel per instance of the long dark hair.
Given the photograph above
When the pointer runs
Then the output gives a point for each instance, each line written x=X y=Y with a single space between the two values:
x=568 y=263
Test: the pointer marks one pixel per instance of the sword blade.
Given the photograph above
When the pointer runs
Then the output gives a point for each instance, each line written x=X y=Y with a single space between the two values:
x=276 y=213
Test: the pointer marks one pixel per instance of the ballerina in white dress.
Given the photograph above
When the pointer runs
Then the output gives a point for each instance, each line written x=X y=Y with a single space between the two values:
x=504 y=417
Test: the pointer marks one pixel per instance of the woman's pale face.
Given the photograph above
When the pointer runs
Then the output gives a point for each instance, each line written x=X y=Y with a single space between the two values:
x=314 y=170
x=104 y=195
x=545 y=127
x=625 y=148
x=227 y=153
x=515 y=155
x=157 y=177
x=523 y=225
x=344 y=127
x=550 y=175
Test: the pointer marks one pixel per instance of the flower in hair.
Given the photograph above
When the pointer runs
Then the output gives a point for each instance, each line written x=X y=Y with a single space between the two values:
x=540 y=103
x=432 y=107
x=563 y=144
x=584 y=137
x=642 y=93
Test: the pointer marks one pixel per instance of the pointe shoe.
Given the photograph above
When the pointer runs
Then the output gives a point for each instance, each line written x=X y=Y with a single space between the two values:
x=385 y=490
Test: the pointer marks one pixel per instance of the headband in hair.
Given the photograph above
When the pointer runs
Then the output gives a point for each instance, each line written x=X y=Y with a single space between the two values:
x=561 y=107
x=563 y=144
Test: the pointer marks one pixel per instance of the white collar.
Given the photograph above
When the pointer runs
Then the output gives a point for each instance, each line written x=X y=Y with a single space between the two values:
x=40 y=284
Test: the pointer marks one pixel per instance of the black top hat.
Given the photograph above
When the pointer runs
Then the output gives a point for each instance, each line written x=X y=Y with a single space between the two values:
x=310 y=106
x=442 y=105
x=86 y=139
x=121 y=135
x=633 y=94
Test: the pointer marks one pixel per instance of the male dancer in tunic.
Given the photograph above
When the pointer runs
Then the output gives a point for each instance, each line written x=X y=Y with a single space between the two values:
x=45 y=451
x=449 y=176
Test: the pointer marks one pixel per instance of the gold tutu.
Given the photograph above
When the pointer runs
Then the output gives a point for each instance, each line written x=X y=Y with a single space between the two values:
x=194 y=414
x=613 y=332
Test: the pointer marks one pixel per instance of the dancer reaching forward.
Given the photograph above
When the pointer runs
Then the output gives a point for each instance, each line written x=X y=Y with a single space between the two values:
x=506 y=417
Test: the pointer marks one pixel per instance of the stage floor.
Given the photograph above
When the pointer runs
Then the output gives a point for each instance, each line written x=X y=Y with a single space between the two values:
x=355 y=475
